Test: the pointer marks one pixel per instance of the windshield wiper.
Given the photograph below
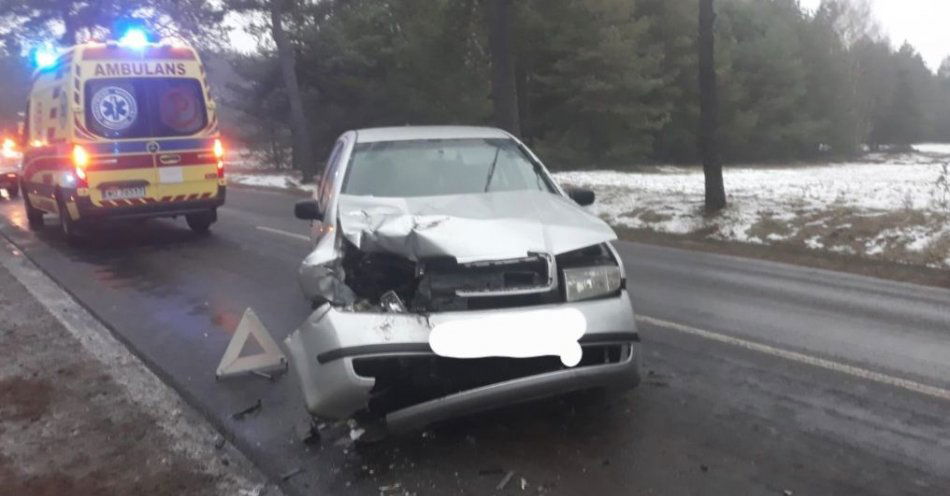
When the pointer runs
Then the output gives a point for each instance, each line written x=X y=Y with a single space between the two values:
x=491 y=170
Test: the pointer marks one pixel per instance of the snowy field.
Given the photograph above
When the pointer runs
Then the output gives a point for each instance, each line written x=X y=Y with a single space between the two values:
x=268 y=180
x=246 y=159
x=253 y=168
x=889 y=207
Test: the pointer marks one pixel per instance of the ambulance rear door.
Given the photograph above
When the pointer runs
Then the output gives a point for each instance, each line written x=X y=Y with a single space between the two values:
x=122 y=168
x=155 y=156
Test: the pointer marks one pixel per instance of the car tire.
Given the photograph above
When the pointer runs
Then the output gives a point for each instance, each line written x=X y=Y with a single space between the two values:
x=66 y=224
x=201 y=222
x=34 y=217
x=13 y=191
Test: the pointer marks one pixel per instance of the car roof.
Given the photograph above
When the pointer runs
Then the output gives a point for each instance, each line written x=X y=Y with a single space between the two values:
x=407 y=133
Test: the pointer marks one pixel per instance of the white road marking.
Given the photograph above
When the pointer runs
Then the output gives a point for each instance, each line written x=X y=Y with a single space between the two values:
x=284 y=233
x=858 y=372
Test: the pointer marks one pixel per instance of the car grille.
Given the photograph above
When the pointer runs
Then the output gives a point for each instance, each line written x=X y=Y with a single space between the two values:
x=448 y=285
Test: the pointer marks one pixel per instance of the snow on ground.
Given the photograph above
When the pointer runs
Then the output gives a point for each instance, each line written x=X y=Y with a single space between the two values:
x=254 y=168
x=246 y=159
x=888 y=207
x=933 y=148
x=268 y=180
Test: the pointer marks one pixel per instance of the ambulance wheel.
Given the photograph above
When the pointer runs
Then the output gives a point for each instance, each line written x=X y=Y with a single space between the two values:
x=201 y=222
x=66 y=224
x=34 y=217
x=13 y=191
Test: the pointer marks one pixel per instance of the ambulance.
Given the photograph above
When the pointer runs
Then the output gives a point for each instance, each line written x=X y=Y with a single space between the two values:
x=122 y=130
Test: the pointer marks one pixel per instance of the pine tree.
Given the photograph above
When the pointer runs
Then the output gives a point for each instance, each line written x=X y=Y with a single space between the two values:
x=595 y=81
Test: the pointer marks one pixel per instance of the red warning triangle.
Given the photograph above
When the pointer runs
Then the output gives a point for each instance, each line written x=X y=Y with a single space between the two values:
x=270 y=359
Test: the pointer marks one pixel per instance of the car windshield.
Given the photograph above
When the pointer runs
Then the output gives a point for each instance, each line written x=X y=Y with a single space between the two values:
x=442 y=167
x=145 y=107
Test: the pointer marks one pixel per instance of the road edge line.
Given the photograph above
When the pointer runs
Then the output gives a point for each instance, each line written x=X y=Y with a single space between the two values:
x=299 y=237
x=858 y=372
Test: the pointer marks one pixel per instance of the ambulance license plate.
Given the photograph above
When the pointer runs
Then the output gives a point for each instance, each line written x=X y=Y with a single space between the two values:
x=123 y=193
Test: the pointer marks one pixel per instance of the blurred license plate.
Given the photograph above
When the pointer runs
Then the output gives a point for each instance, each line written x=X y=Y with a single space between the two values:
x=123 y=193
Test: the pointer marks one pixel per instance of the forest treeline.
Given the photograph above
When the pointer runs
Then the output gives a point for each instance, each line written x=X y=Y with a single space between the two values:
x=611 y=82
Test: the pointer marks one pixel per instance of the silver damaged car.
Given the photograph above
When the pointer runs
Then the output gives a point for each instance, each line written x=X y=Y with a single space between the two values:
x=450 y=275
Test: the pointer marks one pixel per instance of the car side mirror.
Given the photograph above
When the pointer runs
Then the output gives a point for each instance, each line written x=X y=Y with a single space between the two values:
x=581 y=196
x=308 y=210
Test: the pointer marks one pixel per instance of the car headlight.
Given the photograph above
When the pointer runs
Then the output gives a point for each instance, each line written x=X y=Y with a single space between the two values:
x=584 y=283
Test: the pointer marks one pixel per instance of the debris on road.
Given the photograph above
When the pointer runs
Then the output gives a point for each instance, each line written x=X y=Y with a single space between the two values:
x=356 y=433
x=258 y=373
x=258 y=491
x=657 y=380
x=390 y=488
x=505 y=480
x=308 y=433
x=248 y=411
x=286 y=476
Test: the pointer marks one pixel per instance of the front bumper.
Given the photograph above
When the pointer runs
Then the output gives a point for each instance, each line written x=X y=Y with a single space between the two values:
x=326 y=349
x=88 y=211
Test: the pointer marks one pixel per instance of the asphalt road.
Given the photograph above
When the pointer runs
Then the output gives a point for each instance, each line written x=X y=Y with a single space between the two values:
x=761 y=378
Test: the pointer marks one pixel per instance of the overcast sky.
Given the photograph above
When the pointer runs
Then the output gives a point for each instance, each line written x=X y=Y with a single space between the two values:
x=924 y=23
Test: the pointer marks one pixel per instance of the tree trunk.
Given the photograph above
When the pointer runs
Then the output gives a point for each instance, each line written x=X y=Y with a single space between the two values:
x=524 y=111
x=299 y=125
x=504 y=92
x=69 y=31
x=709 y=110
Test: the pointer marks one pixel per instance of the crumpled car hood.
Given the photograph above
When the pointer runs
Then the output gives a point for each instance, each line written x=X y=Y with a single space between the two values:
x=472 y=227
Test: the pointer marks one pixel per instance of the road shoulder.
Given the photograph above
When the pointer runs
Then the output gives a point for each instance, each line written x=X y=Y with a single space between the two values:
x=82 y=415
x=794 y=255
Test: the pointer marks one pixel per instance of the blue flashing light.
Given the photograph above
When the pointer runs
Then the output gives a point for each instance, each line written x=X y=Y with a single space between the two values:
x=45 y=57
x=134 y=38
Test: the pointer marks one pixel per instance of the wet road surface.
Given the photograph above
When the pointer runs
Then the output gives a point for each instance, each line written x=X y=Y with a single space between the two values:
x=760 y=378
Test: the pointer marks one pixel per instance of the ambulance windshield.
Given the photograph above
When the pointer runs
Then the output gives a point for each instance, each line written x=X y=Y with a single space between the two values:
x=144 y=107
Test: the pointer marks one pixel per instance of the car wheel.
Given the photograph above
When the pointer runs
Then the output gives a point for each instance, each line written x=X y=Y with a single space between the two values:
x=201 y=222
x=34 y=217
x=66 y=224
